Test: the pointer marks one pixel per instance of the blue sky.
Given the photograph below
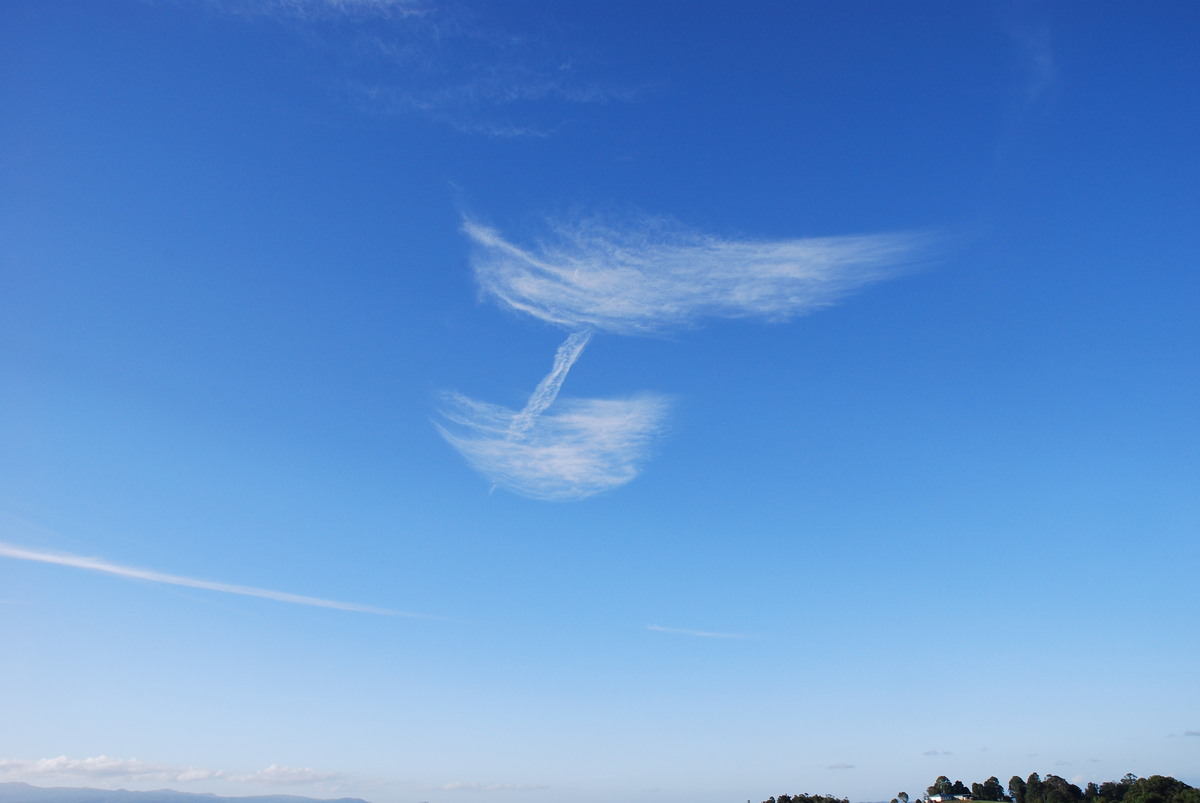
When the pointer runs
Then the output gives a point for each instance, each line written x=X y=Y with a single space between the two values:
x=444 y=402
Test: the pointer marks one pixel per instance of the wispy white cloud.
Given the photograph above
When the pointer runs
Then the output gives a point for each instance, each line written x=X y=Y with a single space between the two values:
x=460 y=68
x=651 y=275
x=103 y=566
x=582 y=448
x=685 y=632
x=446 y=62
x=100 y=768
x=937 y=753
x=276 y=775
x=1191 y=733
x=841 y=765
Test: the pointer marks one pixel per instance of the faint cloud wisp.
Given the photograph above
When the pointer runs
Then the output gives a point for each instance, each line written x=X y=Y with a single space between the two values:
x=461 y=786
x=1037 y=60
x=697 y=633
x=446 y=62
x=313 y=10
x=287 y=776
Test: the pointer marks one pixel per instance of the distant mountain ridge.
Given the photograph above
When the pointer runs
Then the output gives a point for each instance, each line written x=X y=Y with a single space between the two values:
x=25 y=793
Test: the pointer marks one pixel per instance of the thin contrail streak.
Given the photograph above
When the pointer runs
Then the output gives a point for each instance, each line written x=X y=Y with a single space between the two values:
x=547 y=390
x=700 y=633
x=98 y=565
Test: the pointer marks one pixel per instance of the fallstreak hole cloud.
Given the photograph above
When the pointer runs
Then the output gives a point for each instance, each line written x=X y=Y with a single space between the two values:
x=643 y=278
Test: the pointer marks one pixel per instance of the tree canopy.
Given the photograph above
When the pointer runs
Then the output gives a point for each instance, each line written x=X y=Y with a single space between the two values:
x=1051 y=789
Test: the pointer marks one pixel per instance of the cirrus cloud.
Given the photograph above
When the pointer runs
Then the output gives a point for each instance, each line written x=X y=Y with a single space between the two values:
x=655 y=275
x=585 y=447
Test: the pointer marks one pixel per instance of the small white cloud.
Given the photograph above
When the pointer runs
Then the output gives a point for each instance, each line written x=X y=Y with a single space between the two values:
x=839 y=766
x=1191 y=733
x=584 y=447
x=280 y=776
x=651 y=275
x=698 y=633
x=101 y=768
x=937 y=753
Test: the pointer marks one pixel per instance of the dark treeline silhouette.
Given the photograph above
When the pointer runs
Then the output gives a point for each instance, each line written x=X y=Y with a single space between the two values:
x=1035 y=789
x=1130 y=789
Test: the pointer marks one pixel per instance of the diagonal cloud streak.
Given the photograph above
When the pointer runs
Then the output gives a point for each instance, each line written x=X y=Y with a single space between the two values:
x=585 y=447
x=98 y=565
x=547 y=390
x=657 y=275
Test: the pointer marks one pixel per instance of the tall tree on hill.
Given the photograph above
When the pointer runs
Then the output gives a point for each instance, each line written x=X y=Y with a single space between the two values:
x=1115 y=791
x=988 y=790
x=1033 y=788
x=941 y=786
x=1161 y=789
x=1060 y=790
x=1016 y=789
